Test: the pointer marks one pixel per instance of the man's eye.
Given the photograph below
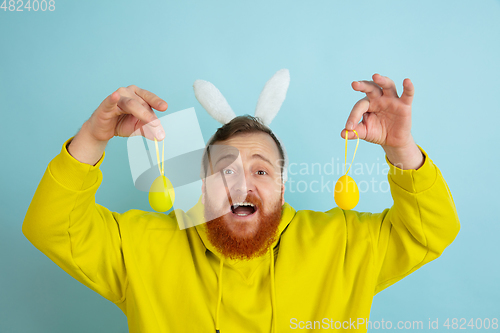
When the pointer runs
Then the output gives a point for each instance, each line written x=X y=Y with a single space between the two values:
x=227 y=171
x=263 y=172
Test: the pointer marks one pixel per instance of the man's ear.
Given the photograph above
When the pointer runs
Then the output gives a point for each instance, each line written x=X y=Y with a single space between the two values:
x=203 y=191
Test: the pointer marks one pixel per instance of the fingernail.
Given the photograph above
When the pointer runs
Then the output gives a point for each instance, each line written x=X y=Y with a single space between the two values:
x=161 y=105
x=160 y=135
x=155 y=122
x=348 y=126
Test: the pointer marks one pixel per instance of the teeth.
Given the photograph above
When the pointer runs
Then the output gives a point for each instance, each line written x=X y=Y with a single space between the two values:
x=244 y=203
x=236 y=204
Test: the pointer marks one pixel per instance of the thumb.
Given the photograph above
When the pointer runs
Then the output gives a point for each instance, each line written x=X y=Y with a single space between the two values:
x=359 y=128
x=111 y=102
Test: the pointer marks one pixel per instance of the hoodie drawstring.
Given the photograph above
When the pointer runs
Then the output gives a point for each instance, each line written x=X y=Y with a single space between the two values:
x=273 y=291
x=219 y=297
x=273 y=295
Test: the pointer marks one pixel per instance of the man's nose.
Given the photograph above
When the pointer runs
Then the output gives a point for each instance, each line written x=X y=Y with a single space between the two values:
x=243 y=183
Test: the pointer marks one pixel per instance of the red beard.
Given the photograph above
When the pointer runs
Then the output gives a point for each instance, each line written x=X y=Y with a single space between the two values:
x=233 y=246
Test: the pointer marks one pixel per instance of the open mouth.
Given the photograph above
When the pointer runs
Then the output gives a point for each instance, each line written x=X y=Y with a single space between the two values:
x=243 y=209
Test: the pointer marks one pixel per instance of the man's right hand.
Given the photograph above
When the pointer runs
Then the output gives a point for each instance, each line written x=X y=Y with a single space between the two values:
x=120 y=114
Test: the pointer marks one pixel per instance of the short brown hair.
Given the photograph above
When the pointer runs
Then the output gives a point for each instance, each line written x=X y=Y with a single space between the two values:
x=239 y=125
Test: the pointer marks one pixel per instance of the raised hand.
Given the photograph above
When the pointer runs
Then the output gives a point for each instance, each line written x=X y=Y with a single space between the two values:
x=125 y=111
x=386 y=119
x=120 y=114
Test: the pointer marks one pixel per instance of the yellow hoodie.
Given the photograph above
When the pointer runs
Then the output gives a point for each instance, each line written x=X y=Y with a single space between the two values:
x=322 y=274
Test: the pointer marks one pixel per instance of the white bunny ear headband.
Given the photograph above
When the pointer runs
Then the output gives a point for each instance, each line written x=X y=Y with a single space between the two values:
x=270 y=100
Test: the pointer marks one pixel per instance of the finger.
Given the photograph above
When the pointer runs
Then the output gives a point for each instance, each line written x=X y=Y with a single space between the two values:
x=130 y=126
x=387 y=85
x=150 y=98
x=135 y=108
x=360 y=129
x=408 y=92
x=151 y=133
x=370 y=88
x=357 y=112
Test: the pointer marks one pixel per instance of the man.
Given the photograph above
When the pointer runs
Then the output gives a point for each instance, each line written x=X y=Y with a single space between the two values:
x=257 y=265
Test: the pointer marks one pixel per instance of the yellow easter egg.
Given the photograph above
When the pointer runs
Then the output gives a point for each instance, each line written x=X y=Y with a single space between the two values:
x=161 y=194
x=346 y=193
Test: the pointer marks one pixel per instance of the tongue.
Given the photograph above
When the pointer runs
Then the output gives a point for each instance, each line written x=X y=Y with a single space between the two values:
x=247 y=210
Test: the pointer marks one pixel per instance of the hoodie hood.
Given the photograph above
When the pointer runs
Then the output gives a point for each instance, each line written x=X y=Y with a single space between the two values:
x=196 y=213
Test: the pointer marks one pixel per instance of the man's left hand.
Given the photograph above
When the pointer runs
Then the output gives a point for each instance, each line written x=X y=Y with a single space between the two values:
x=386 y=120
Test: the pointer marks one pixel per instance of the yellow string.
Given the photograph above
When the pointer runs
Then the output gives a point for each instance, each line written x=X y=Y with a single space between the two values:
x=161 y=165
x=357 y=143
x=163 y=159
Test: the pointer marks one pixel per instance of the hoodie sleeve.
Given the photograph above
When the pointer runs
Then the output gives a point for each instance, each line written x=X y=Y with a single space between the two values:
x=418 y=227
x=83 y=238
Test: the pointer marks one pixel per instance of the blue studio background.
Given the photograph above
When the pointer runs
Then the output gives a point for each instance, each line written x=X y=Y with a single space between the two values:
x=56 y=68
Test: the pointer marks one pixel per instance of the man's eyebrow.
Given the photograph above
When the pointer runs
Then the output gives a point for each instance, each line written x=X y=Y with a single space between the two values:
x=262 y=158
x=232 y=156
x=258 y=156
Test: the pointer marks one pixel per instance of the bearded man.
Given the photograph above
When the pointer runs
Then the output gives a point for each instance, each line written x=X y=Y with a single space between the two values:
x=256 y=265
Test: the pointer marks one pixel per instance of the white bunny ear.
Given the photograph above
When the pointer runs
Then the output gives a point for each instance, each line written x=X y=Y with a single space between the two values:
x=272 y=96
x=212 y=100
